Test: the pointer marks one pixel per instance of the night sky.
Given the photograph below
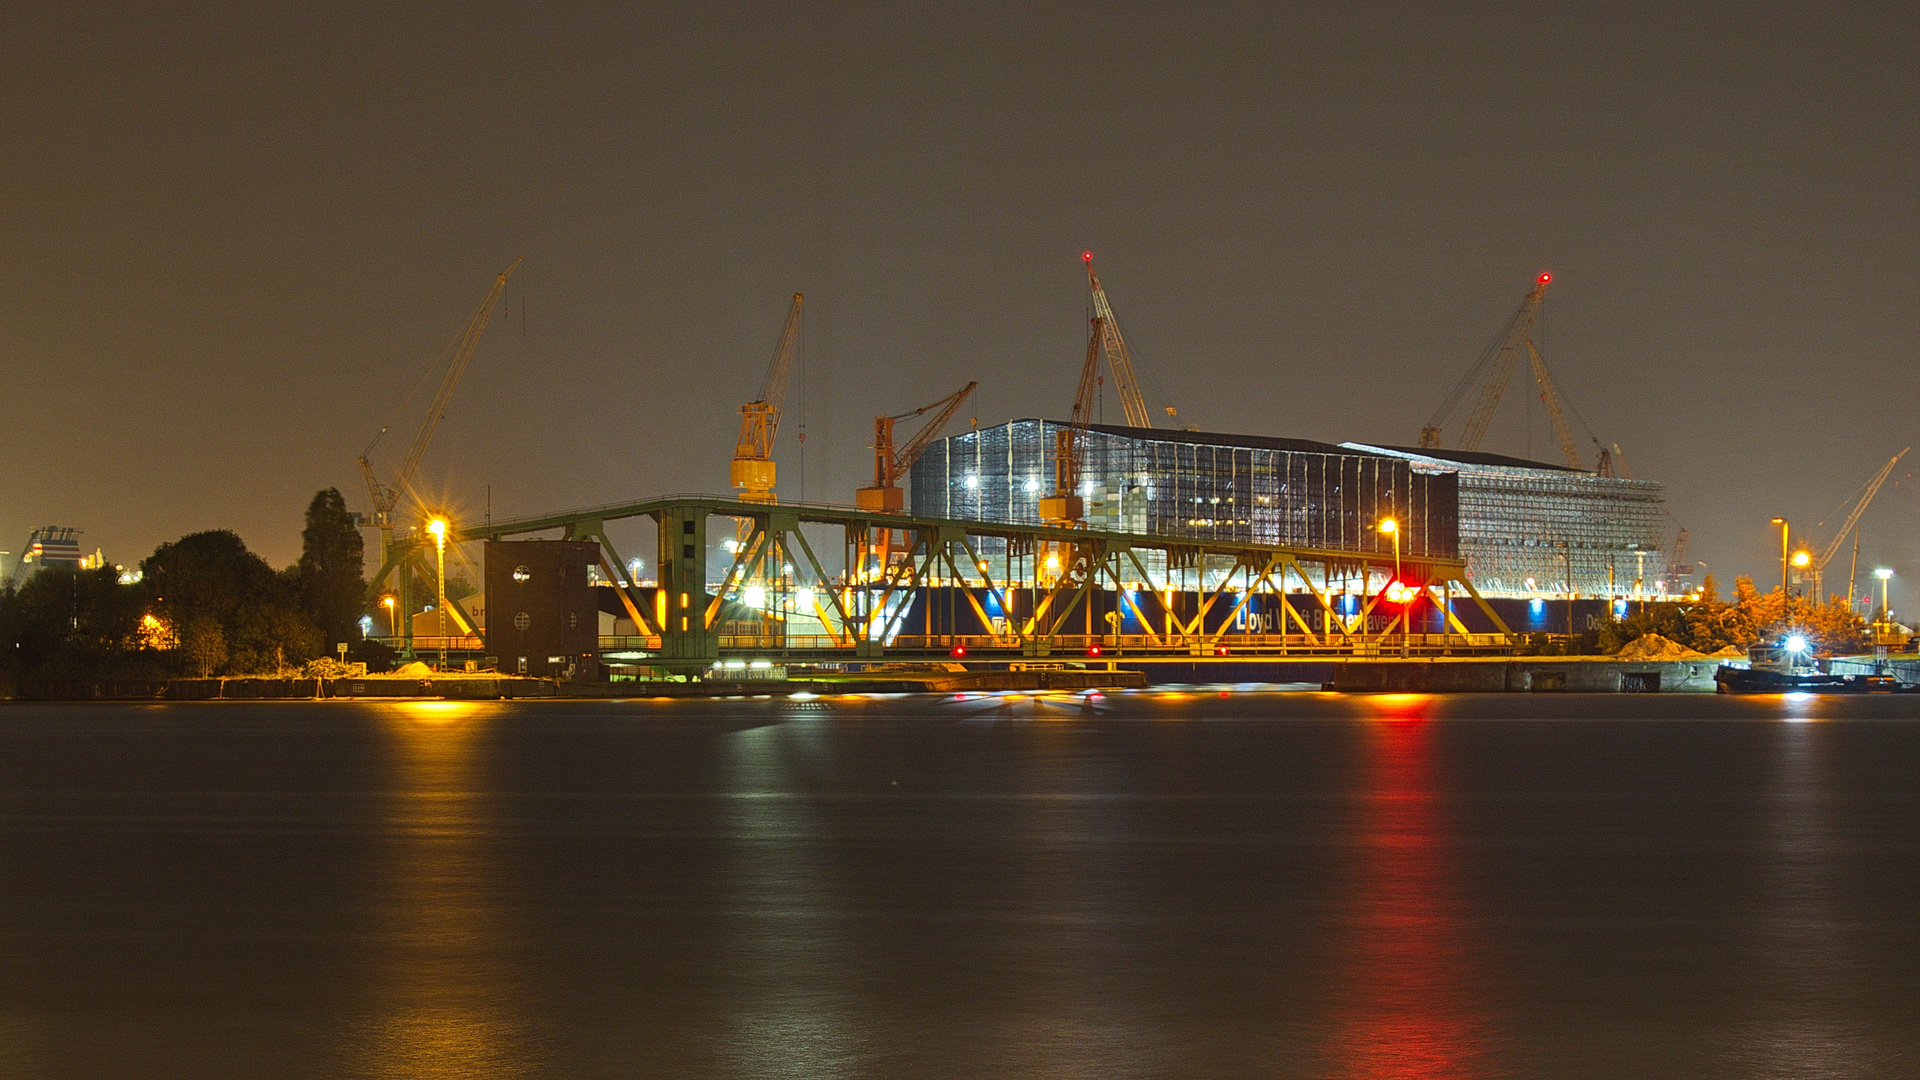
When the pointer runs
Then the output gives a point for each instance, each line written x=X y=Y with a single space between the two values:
x=234 y=240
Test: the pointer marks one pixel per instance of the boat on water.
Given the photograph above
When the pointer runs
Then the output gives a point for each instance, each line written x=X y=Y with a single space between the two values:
x=1788 y=667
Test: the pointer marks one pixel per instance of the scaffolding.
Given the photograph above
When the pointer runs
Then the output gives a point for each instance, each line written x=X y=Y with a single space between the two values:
x=1532 y=530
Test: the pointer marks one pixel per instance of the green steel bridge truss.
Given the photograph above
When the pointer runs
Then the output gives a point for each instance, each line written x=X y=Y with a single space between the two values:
x=1185 y=597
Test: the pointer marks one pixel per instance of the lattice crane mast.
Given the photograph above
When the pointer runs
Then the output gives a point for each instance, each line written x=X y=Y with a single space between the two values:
x=1124 y=379
x=1497 y=364
x=889 y=465
x=1550 y=397
x=1825 y=556
x=752 y=470
x=1065 y=506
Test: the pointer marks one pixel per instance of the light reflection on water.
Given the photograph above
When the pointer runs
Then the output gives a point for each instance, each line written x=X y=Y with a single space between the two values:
x=1406 y=982
x=444 y=998
x=1801 y=955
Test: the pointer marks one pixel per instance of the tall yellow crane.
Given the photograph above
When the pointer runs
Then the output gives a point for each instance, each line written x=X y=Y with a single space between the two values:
x=386 y=497
x=752 y=471
x=889 y=465
x=1124 y=379
x=1497 y=364
x=1066 y=507
x=1551 y=398
x=1820 y=560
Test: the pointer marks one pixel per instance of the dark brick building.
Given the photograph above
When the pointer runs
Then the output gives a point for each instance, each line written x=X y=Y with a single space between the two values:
x=542 y=615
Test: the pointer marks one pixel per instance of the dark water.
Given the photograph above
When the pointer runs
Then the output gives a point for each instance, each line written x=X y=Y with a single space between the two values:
x=1139 y=885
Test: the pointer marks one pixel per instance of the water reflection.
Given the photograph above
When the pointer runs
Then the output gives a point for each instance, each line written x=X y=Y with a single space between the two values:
x=794 y=1011
x=1804 y=975
x=447 y=1000
x=1407 y=1009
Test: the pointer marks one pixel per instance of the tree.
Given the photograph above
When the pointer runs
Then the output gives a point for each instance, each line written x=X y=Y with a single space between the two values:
x=332 y=570
x=211 y=575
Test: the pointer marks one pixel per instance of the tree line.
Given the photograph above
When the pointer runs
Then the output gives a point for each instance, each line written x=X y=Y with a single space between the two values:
x=203 y=605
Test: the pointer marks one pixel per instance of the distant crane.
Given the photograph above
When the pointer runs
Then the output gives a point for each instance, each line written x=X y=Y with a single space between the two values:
x=1066 y=506
x=1124 y=379
x=1496 y=365
x=889 y=465
x=386 y=497
x=752 y=471
x=1678 y=568
x=1820 y=560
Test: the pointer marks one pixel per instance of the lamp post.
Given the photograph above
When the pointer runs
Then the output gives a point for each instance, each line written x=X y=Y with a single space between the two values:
x=1392 y=528
x=393 y=625
x=1883 y=573
x=1782 y=522
x=438 y=527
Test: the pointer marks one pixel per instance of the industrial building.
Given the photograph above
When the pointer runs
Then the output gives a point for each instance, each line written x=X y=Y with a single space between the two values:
x=1232 y=488
x=1526 y=526
x=1517 y=523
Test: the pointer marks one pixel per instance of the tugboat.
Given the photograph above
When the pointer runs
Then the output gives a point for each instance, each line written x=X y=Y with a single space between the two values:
x=1788 y=667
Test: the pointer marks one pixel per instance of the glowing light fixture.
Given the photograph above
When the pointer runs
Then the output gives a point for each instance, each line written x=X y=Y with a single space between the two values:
x=1797 y=643
x=754 y=597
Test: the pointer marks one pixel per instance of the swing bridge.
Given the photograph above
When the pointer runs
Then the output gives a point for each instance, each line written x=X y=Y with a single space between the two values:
x=819 y=584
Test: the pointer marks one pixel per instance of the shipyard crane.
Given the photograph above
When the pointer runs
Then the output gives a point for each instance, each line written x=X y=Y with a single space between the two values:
x=1066 y=507
x=1821 y=559
x=386 y=497
x=1497 y=365
x=1131 y=400
x=889 y=465
x=752 y=471
x=1678 y=568
x=1551 y=398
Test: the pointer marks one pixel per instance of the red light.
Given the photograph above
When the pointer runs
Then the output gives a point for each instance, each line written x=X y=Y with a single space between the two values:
x=1544 y=278
x=1093 y=650
x=1088 y=256
x=1220 y=650
x=959 y=650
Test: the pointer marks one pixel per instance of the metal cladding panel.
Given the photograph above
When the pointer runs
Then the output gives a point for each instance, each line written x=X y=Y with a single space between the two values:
x=1207 y=487
x=541 y=605
x=1526 y=528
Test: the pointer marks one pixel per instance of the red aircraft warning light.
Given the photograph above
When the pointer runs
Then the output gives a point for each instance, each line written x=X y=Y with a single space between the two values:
x=1093 y=650
x=1544 y=278
x=958 y=651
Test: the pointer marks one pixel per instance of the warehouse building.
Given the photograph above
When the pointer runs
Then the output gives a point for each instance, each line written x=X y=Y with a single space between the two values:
x=1518 y=524
x=1234 y=488
x=1525 y=525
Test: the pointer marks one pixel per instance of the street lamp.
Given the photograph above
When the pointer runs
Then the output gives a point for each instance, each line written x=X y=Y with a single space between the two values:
x=438 y=527
x=393 y=626
x=1883 y=573
x=1392 y=528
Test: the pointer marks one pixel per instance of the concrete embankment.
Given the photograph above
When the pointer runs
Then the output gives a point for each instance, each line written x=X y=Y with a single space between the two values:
x=1569 y=674
x=492 y=688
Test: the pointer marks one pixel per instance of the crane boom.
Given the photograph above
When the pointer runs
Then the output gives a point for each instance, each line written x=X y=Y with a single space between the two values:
x=1873 y=488
x=930 y=431
x=469 y=339
x=386 y=497
x=752 y=469
x=1131 y=400
x=1551 y=398
x=1498 y=362
x=888 y=465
